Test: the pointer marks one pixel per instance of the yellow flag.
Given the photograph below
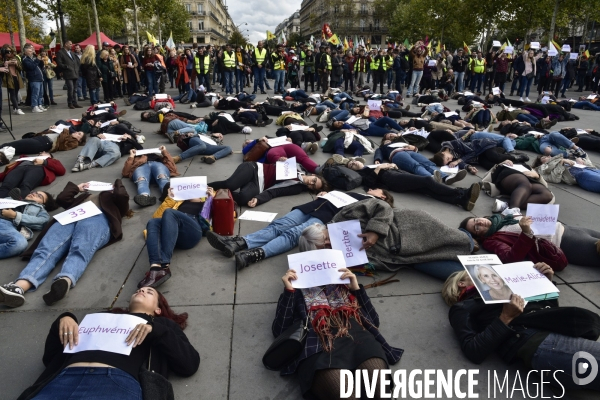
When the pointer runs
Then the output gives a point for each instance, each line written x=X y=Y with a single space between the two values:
x=334 y=40
x=466 y=48
x=503 y=46
x=270 y=36
x=587 y=54
x=346 y=45
x=438 y=48
x=151 y=38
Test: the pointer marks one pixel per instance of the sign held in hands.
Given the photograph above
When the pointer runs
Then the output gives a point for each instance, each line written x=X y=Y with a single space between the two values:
x=96 y=186
x=317 y=267
x=189 y=187
x=545 y=217
x=10 y=203
x=77 y=213
x=344 y=237
x=286 y=169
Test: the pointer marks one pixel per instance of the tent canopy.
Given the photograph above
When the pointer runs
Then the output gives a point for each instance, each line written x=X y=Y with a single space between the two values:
x=5 y=39
x=92 y=40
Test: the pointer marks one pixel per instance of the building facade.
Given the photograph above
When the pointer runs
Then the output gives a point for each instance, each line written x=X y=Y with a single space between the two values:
x=346 y=18
x=289 y=25
x=209 y=21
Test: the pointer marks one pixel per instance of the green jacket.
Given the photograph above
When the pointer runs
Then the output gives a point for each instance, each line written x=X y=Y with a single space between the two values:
x=528 y=142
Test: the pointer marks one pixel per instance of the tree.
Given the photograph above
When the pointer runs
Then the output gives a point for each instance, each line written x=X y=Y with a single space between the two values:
x=162 y=16
x=294 y=38
x=237 y=39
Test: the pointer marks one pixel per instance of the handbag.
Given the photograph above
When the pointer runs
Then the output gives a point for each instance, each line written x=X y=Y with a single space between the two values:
x=529 y=75
x=154 y=386
x=257 y=151
x=287 y=346
x=50 y=73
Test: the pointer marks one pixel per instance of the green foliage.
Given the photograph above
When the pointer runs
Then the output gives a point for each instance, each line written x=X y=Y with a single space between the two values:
x=294 y=39
x=237 y=39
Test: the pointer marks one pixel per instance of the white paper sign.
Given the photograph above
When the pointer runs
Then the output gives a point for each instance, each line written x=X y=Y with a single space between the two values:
x=449 y=170
x=317 y=267
x=82 y=211
x=59 y=128
x=450 y=113
x=534 y=45
x=566 y=48
x=398 y=145
x=164 y=110
x=374 y=105
x=296 y=127
x=161 y=96
x=573 y=56
x=111 y=137
x=189 y=187
x=592 y=96
x=107 y=123
x=32 y=158
x=509 y=50
x=545 y=217
x=278 y=141
x=579 y=166
x=343 y=236
x=206 y=139
x=432 y=63
x=352 y=119
x=10 y=203
x=106 y=332
x=467 y=93
x=496 y=91
x=95 y=186
x=147 y=151
x=258 y=216
x=339 y=199
x=98 y=112
x=517 y=167
x=228 y=116
x=496 y=43
x=552 y=52
x=286 y=169
x=104 y=105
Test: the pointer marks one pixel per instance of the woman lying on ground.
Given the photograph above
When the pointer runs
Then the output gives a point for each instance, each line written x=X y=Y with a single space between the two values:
x=104 y=375
x=349 y=141
x=77 y=242
x=281 y=153
x=511 y=238
x=25 y=176
x=147 y=168
x=589 y=141
x=397 y=237
x=17 y=224
x=99 y=153
x=159 y=116
x=282 y=234
x=368 y=127
x=257 y=184
x=342 y=334
x=175 y=224
x=539 y=334
x=551 y=144
x=196 y=144
x=580 y=171
x=48 y=142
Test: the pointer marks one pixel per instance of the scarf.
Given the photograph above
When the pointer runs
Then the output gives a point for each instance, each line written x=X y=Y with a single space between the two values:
x=331 y=307
x=499 y=221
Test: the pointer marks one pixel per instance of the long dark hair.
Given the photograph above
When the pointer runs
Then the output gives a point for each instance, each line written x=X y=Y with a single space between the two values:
x=165 y=311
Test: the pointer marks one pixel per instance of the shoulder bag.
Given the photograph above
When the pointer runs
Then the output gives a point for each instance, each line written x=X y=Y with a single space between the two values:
x=154 y=386
x=286 y=347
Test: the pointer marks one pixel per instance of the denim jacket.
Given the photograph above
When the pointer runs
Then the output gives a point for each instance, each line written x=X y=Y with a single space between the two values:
x=34 y=216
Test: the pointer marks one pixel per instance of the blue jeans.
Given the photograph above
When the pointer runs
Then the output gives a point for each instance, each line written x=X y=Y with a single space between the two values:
x=146 y=173
x=48 y=88
x=37 y=93
x=415 y=163
x=279 y=85
x=198 y=147
x=459 y=81
x=282 y=234
x=508 y=144
x=414 y=82
x=329 y=104
x=228 y=82
x=356 y=148
x=554 y=140
x=95 y=96
x=12 y=243
x=477 y=80
x=298 y=94
x=340 y=96
x=259 y=77
x=174 y=229
x=339 y=115
x=556 y=353
x=151 y=83
x=379 y=127
x=92 y=383
x=78 y=241
x=103 y=152
x=390 y=76
x=240 y=80
x=525 y=85
x=81 y=87
x=527 y=118
x=586 y=105
x=182 y=127
x=400 y=77
x=588 y=178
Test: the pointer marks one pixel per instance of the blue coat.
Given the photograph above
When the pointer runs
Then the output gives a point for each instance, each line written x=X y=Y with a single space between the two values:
x=33 y=69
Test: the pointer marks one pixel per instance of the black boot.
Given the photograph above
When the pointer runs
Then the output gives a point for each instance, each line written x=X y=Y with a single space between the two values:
x=247 y=257
x=15 y=194
x=227 y=245
x=519 y=157
x=470 y=196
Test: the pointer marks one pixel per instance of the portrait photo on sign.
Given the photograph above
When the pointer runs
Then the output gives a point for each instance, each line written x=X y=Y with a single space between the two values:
x=489 y=283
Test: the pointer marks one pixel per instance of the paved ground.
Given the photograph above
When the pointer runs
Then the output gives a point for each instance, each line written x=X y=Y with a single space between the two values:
x=230 y=311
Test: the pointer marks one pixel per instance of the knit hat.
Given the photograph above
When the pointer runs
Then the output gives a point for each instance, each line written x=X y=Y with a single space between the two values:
x=247 y=130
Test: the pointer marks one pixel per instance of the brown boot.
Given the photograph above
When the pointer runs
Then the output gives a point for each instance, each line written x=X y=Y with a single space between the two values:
x=210 y=159
x=176 y=159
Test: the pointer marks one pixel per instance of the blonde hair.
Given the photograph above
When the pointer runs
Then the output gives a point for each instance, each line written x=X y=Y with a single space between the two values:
x=103 y=53
x=450 y=290
x=89 y=55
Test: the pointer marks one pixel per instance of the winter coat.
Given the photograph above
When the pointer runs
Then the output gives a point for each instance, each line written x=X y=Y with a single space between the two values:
x=7 y=78
x=106 y=69
x=418 y=60
x=133 y=163
x=52 y=169
x=91 y=73
x=33 y=68
x=68 y=65
x=124 y=60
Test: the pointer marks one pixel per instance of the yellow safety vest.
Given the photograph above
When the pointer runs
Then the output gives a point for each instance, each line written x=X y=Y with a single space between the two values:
x=278 y=65
x=389 y=61
x=260 y=58
x=479 y=66
x=357 y=65
x=228 y=60
x=375 y=65
x=328 y=58
x=206 y=64
x=302 y=57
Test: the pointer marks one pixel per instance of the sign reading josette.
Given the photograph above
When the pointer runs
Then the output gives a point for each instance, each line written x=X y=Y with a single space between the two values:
x=317 y=267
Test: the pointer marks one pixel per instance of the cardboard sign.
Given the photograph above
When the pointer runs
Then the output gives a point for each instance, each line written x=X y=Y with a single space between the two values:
x=10 y=203
x=496 y=43
x=344 y=237
x=147 y=151
x=32 y=158
x=432 y=63
x=286 y=169
x=339 y=199
x=545 y=217
x=573 y=56
x=59 y=128
x=509 y=50
x=111 y=137
x=189 y=187
x=449 y=170
x=278 y=141
x=534 y=45
x=374 y=105
x=317 y=267
x=566 y=48
x=95 y=186
x=258 y=216
x=78 y=213
x=496 y=91
x=105 y=332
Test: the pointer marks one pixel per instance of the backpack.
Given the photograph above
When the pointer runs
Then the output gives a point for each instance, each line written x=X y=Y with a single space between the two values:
x=342 y=178
x=142 y=105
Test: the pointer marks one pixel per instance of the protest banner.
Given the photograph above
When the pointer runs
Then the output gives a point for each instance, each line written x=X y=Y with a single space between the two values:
x=189 y=187
x=317 y=267
x=77 y=213
x=545 y=217
x=344 y=237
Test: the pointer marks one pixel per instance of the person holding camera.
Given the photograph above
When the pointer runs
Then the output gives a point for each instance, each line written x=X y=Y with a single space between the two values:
x=12 y=78
x=33 y=69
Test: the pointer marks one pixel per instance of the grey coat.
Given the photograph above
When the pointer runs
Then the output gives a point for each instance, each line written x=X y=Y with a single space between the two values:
x=69 y=66
x=405 y=236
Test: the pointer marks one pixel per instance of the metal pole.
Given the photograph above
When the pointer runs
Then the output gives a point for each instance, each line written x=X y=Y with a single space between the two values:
x=63 y=35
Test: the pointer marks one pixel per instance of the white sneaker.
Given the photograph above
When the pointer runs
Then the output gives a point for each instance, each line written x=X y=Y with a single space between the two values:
x=521 y=99
x=512 y=211
x=499 y=206
x=18 y=112
x=527 y=99
x=43 y=108
x=36 y=110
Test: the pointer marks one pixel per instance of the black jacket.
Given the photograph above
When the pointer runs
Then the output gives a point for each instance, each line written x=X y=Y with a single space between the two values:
x=323 y=209
x=68 y=65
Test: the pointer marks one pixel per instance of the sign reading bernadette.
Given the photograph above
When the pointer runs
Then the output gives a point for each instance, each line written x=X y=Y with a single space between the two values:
x=105 y=332
x=189 y=187
x=317 y=267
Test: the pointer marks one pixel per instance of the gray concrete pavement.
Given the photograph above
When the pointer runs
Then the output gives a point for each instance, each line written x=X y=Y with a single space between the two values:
x=231 y=311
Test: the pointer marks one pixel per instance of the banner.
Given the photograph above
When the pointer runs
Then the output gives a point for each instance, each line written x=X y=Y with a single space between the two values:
x=334 y=40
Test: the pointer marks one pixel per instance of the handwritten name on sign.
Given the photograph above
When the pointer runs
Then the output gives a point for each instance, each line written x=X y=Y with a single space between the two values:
x=317 y=267
x=544 y=216
x=189 y=187
x=286 y=169
x=82 y=211
x=339 y=199
x=10 y=203
x=105 y=332
x=344 y=237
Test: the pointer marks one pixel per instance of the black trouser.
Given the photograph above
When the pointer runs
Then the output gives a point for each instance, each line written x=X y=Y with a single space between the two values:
x=24 y=177
x=403 y=182
x=493 y=156
x=225 y=126
x=33 y=145
x=244 y=178
x=275 y=110
x=436 y=138
x=121 y=129
x=543 y=84
x=589 y=142
x=13 y=94
x=348 y=78
x=579 y=246
x=117 y=87
x=309 y=76
x=131 y=81
x=107 y=88
x=71 y=91
x=378 y=78
x=299 y=137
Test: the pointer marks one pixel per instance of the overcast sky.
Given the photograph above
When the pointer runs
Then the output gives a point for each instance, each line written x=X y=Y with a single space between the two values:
x=261 y=15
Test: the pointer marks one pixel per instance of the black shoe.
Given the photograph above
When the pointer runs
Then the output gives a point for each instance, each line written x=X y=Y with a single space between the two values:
x=562 y=96
x=15 y=194
x=512 y=93
x=247 y=257
x=263 y=92
x=254 y=92
x=269 y=121
x=165 y=192
x=459 y=176
x=226 y=245
x=58 y=291
x=471 y=197
x=155 y=277
x=519 y=157
x=11 y=295
x=144 y=200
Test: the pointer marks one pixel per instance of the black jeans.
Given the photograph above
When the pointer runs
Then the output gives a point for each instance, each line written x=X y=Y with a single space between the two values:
x=436 y=138
x=493 y=156
x=579 y=246
x=403 y=182
x=589 y=142
x=348 y=78
x=244 y=178
x=24 y=177
x=33 y=145
x=71 y=91
x=309 y=76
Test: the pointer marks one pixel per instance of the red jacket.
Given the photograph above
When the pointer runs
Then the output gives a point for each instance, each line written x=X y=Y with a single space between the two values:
x=514 y=247
x=52 y=168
